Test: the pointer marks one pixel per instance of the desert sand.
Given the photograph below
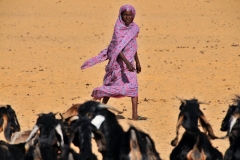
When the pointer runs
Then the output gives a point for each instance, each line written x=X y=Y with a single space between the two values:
x=187 y=49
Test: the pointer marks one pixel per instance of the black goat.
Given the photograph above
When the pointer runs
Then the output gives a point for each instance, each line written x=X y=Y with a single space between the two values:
x=231 y=124
x=8 y=121
x=190 y=114
x=135 y=144
x=21 y=151
x=81 y=135
x=51 y=136
x=117 y=141
x=194 y=145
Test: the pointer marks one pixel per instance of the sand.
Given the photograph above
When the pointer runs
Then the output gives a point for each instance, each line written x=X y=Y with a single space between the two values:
x=187 y=49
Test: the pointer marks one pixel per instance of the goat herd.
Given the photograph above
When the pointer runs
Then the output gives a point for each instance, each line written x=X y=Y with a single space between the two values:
x=52 y=138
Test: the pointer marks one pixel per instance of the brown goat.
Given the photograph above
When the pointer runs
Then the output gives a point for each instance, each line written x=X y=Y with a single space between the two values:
x=72 y=111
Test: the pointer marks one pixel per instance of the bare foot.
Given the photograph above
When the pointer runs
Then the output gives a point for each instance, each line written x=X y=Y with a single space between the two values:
x=140 y=118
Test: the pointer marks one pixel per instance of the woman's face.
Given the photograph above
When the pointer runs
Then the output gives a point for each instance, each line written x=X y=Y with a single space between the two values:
x=127 y=17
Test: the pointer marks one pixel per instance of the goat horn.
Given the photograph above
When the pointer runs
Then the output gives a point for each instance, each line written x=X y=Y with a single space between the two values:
x=33 y=133
x=73 y=118
x=182 y=100
x=3 y=106
x=40 y=114
x=62 y=118
x=101 y=105
x=203 y=103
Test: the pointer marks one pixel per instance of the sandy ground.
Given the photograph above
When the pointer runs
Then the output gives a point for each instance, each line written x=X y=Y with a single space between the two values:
x=186 y=48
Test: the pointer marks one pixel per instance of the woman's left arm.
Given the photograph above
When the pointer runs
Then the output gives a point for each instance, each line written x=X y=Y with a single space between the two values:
x=138 y=66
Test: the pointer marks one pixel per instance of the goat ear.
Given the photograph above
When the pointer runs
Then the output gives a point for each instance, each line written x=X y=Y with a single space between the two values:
x=149 y=145
x=150 y=149
x=100 y=140
x=233 y=121
x=101 y=105
x=207 y=127
x=182 y=100
x=58 y=129
x=33 y=132
x=135 y=152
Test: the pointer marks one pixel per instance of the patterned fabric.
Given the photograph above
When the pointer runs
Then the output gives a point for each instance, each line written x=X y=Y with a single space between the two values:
x=118 y=80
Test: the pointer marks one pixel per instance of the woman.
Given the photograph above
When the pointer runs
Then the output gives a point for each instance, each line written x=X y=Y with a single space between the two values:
x=120 y=79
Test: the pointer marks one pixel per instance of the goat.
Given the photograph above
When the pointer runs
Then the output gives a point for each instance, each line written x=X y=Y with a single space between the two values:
x=81 y=135
x=231 y=124
x=194 y=144
x=107 y=123
x=72 y=111
x=21 y=151
x=136 y=145
x=188 y=117
x=10 y=125
x=19 y=137
x=8 y=121
x=51 y=135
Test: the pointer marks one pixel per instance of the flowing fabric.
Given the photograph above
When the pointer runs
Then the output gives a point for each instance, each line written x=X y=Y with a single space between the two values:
x=118 y=80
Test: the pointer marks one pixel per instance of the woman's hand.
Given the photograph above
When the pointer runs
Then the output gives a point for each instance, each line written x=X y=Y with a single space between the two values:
x=130 y=66
x=138 y=67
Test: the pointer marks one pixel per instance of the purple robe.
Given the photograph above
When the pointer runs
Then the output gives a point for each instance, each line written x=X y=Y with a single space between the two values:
x=118 y=80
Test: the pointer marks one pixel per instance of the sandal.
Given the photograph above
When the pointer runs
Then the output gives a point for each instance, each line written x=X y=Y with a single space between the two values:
x=140 y=118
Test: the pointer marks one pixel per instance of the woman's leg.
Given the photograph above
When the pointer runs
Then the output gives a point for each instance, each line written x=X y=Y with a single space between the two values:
x=135 y=115
x=105 y=100
x=134 y=107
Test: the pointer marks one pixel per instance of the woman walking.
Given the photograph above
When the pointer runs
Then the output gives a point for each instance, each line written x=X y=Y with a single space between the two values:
x=120 y=79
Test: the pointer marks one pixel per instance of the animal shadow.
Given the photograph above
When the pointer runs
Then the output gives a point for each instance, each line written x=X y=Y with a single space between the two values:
x=120 y=117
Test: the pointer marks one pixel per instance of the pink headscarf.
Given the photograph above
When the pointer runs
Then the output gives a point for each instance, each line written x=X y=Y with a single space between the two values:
x=126 y=7
x=122 y=35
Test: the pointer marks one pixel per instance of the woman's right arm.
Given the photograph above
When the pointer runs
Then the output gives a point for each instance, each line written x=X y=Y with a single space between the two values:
x=128 y=64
